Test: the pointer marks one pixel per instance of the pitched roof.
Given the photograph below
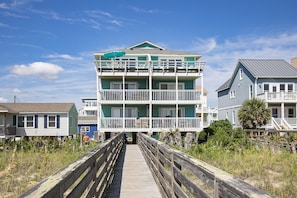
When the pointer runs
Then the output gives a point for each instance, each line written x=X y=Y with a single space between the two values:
x=269 y=68
x=147 y=47
x=263 y=68
x=36 y=107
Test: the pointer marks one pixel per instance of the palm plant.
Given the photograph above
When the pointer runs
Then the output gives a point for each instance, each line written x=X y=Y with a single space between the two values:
x=253 y=114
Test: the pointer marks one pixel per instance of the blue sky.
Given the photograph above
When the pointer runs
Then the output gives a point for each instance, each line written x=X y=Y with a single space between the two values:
x=47 y=46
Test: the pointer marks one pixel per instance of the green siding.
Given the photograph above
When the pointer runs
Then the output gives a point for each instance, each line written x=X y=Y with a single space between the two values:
x=189 y=58
x=155 y=58
x=143 y=58
x=145 y=45
x=73 y=120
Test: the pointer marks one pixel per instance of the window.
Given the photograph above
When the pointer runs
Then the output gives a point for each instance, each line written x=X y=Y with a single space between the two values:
x=171 y=112
x=21 y=121
x=240 y=74
x=274 y=112
x=51 y=121
x=291 y=113
x=266 y=87
x=85 y=129
x=282 y=87
x=232 y=94
x=117 y=112
x=251 y=92
x=233 y=117
x=290 y=87
x=119 y=85
x=30 y=121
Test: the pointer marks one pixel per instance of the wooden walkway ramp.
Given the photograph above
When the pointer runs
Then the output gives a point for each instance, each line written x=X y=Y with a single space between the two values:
x=133 y=177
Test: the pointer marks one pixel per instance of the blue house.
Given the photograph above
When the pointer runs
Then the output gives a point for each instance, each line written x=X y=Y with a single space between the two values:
x=148 y=89
x=87 y=119
x=272 y=80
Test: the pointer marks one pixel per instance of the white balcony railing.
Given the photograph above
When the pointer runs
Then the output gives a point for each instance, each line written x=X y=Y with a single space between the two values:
x=143 y=123
x=278 y=96
x=149 y=66
x=143 y=94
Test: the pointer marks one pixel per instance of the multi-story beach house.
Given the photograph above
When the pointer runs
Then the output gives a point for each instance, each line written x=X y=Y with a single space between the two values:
x=272 y=80
x=147 y=88
x=87 y=119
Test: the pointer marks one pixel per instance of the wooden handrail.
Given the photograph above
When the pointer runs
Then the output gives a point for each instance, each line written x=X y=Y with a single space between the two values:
x=180 y=175
x=89 y=176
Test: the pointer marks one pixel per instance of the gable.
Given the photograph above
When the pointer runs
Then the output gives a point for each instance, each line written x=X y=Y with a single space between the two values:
x=145 y=45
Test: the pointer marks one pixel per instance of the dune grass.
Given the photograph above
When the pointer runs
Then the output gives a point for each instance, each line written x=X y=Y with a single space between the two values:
x=275 y=173
x=25 y=164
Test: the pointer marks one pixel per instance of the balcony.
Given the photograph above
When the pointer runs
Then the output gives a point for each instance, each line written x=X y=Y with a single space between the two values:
x=144 y=95
x=118 y=66
x=143 y=124
x=278 y=97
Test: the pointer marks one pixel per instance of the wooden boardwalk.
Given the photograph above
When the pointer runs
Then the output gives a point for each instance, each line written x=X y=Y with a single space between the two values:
x=133 y=177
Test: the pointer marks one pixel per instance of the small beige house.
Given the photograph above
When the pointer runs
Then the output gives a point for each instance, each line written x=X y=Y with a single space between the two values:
x=38 y=119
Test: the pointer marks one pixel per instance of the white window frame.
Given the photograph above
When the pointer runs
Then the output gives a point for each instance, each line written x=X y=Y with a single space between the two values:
x=240 y=74
x=250 y=91
x=25 y=121
x=112 y=85
x=181 y=86
x=134 y=111
x=233 y=117
x=52 y=121
x=85 y=129
x=232 y=94
x=30 y=121
x=181 y=111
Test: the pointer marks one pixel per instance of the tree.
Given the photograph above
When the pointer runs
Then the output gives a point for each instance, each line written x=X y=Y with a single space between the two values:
x=253 y=114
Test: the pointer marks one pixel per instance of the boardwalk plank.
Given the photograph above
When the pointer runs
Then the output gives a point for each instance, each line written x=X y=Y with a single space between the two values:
x=132 y=176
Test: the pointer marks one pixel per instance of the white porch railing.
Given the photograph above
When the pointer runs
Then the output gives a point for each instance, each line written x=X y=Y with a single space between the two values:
x=278 y=96
x=282 y=124
x=143 y=123
x=148 y=66
x=143 y=94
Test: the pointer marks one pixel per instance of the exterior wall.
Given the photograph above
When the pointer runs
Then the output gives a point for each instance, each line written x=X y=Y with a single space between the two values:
x=41 y=130
x=229 y=105
x=93 y=129
x=263 y=81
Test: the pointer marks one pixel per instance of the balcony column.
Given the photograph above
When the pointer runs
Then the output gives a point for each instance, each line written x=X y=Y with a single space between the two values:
x=124 y=105
x=283 y=110
x=150 y=101
x=176 y=98
x=99 y=92
x=201 y=101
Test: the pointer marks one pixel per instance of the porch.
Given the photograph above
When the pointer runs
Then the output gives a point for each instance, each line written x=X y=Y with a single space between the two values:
x=144 y=95
x=278 y=96
x=143 y=124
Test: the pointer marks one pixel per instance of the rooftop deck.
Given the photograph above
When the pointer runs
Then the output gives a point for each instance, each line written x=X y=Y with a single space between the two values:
x=149 y=67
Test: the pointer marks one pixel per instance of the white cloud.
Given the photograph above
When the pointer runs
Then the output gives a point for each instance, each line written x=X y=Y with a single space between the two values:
x=4 y=100
x=63 y=56
x=16 y=91
x=48 y=71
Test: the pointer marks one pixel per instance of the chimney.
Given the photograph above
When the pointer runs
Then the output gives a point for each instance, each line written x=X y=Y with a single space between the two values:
x=294 y=62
